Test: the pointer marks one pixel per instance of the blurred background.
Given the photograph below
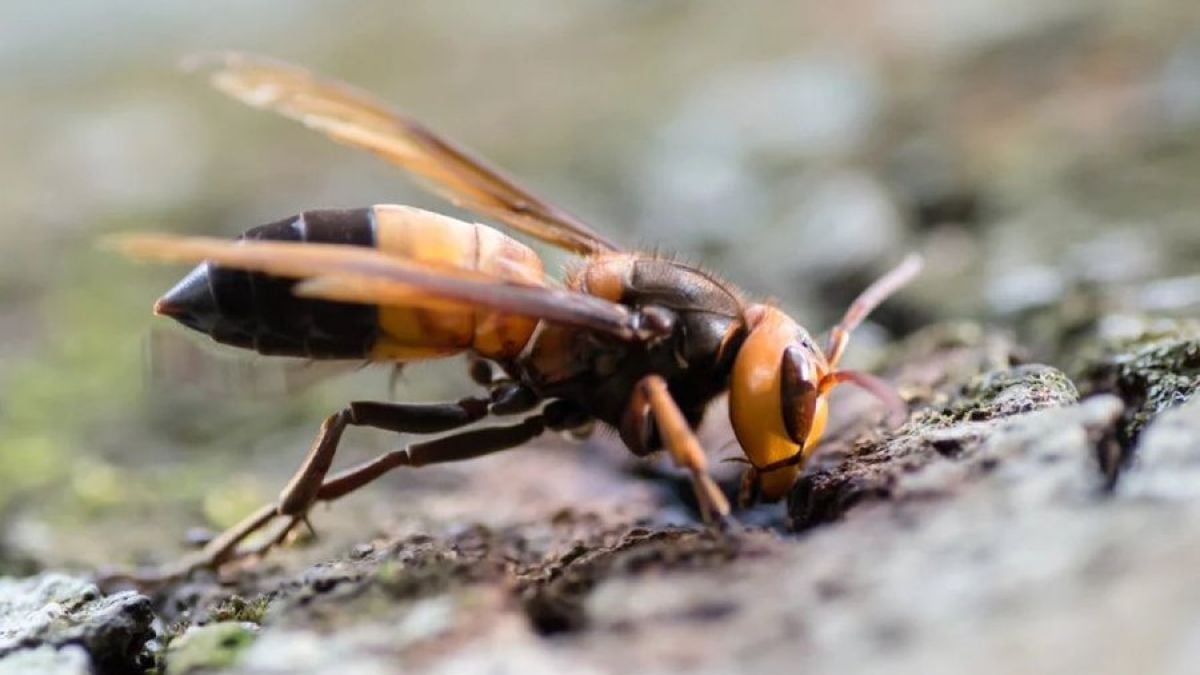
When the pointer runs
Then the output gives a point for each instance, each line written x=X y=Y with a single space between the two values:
x=1044 y=156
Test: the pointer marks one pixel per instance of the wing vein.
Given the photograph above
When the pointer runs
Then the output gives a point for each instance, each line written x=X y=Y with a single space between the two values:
x=353 y=117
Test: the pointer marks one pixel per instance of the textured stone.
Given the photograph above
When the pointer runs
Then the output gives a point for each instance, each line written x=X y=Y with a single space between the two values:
x=54 y=610
x=47 y=660
x=1152 y=373
x=209 y=647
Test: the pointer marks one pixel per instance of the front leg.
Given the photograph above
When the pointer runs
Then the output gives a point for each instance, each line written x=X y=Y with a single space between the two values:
x=748 y=489
x=683 y=445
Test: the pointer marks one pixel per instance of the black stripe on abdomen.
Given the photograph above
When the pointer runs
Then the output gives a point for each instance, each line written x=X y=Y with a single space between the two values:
x=260 y=312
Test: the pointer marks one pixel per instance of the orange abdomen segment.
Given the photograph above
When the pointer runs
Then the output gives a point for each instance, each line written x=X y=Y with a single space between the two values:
x=408 y=333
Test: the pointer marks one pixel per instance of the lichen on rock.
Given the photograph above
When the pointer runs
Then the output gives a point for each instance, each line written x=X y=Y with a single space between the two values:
x=1152 y=372
x=209 y=647
x=962 y=390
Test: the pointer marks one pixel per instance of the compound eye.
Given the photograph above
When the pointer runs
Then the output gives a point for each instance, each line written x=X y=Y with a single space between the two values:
x=798 y=393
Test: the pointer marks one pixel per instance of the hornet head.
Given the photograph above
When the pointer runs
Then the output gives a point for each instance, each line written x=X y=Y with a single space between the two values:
x=781 y=378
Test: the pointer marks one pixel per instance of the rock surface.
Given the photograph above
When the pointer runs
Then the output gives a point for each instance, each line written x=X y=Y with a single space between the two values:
x=50 y=619
x=1036 y=512
x=991 y=528
x=210 y=647
x=1152 y=372
x=47 y=660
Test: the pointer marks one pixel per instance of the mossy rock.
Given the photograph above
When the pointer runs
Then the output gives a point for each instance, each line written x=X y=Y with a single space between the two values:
x=211 y=647
x=1152 y=373
x=1002 y=393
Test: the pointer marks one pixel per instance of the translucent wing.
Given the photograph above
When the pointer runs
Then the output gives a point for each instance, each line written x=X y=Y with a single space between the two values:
x=365 y=275
x=353 y=117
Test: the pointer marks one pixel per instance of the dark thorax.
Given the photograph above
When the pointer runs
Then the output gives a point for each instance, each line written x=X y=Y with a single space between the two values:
x=600 y=373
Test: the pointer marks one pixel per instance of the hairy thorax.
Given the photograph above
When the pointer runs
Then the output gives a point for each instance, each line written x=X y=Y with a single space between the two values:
x=601 y=372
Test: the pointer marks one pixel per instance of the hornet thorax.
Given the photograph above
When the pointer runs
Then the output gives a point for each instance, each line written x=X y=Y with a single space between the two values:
x=601 y=372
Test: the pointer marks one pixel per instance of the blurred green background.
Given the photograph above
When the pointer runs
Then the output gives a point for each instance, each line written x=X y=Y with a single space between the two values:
x=1033 y=151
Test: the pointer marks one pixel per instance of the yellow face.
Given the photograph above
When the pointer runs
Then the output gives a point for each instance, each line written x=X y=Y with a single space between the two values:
x=759 y=406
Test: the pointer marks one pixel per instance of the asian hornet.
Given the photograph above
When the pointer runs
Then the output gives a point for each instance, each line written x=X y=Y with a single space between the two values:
x=638 y=342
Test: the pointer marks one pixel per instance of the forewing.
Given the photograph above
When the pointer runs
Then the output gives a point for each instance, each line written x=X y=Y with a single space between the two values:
x=353 y=117
x=364 y=275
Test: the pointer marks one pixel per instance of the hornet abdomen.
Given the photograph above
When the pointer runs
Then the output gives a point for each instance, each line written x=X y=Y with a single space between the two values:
x=260 y=312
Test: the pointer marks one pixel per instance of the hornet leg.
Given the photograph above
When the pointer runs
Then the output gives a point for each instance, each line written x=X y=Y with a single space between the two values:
x=558 y=416
x=453 y=448
x=684 y=448
x=305 y=486
x=300 y=492
x=748 y=489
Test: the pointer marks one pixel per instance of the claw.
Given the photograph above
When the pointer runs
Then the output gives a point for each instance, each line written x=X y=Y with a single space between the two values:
x=308 y=525
x=726 y=525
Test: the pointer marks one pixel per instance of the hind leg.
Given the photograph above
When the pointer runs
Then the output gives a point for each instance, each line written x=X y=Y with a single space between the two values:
x=303 y=489
x=453 y=448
